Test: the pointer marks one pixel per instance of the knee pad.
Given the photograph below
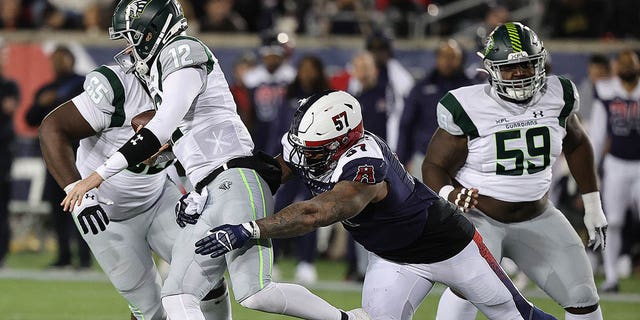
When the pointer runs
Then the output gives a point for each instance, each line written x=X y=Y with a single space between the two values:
x=581 y=296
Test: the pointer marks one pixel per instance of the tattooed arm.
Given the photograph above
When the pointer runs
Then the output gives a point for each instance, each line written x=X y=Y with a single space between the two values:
x=345 y=200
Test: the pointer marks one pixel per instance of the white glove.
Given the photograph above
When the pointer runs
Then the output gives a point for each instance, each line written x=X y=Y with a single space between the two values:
x=190 y=207
x=91 y=213
x=595 y=220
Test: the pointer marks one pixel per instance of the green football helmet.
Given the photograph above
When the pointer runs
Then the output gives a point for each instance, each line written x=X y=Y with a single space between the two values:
x=509 y=44
x=146 y=25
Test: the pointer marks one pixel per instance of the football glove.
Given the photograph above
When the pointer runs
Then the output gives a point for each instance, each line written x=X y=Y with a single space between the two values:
x=190 y=206
x=595 y=220
x=89 y=214
x=225 y=238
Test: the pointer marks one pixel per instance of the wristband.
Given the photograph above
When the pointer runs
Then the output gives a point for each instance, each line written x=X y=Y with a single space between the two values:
x=116 y=163
x=70 y=186
x=445 y=191
x=252 y=227
x=592 y=200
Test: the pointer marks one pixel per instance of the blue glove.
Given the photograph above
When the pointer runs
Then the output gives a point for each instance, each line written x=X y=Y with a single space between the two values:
x=190 y=206
x=225 y=238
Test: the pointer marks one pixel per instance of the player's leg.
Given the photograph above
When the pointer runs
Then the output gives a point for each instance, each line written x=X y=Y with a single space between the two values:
x=124 y=255
x=616 y=198
x=249 y=198
x=391 y=290
x=453 y=307
x=162 y=235
x=550 y=252
x=477 y=276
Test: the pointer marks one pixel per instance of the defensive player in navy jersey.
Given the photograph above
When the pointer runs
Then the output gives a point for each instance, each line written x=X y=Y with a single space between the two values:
x=415 y=237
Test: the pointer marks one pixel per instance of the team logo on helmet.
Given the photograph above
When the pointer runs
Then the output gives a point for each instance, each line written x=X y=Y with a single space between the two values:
x=489 y=45
x=134 y=9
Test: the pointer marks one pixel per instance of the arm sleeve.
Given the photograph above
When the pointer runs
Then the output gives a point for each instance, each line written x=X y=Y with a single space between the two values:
x=181 y=89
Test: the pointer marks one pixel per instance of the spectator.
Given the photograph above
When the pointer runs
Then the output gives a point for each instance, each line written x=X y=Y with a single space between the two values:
x=615 y=134
x=267 y=84
x=17 y=14
x=419 y=122
x=219 y=17
x=66 y=85
x=239 y=90
x=9 y=97
x=393 y=77
x=598 y=68
x=575 y=18
x=310 y=79
x=371 y=93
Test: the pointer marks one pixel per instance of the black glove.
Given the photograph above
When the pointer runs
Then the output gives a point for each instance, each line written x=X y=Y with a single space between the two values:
x=269 y=169
x=189 y=208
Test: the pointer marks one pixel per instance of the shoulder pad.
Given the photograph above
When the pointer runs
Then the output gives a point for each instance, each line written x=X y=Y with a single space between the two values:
x=184 y=52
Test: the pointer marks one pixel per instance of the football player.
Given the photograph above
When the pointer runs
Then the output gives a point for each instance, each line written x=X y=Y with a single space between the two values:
x=415 y=237
x=121 y=235
x=196 y=112
x=502 y=138
x=615 y=121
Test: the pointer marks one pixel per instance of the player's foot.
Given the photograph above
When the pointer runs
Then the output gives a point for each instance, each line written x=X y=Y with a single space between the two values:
x=306 y=273
x=609 y=287
x=358 y=314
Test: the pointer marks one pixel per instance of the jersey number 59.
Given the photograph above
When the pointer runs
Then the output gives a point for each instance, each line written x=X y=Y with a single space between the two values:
x=538 y=142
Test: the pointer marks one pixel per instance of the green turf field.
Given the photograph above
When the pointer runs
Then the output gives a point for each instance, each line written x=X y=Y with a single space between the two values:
x=47 y=296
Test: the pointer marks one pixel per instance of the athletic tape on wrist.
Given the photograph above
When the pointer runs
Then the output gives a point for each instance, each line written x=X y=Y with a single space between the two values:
x=253 y=228
x=592 y=201
x=445 y=191
x=70 y=186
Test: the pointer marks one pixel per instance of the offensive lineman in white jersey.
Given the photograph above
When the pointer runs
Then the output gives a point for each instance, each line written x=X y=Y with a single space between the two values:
x=141 y=219
x=196 y=111
x=502 y=138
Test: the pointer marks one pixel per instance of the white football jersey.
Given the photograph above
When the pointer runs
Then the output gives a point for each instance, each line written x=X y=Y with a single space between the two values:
x=110 y=100
x=511 y=146
x=211 y=133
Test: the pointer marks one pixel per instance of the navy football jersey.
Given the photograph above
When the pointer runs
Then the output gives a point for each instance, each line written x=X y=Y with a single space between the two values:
x=396 y=227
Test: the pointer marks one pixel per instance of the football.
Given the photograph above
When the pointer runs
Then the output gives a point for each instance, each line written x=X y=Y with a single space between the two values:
x=141 y=119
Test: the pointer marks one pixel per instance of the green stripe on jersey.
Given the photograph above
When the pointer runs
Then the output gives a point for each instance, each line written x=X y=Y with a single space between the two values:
x=460 y=117
x=117 y=118
x=569 y=101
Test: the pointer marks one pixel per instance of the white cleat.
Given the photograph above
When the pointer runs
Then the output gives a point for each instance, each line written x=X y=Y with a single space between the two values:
x=306 y=274
x=358 y=314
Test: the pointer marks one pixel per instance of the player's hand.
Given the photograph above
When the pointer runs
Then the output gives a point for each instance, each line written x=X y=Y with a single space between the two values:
x=190 y=207
x=75 y=196
x=595 y=220
x=225 y=238
x=90 y=215
x=465 y=198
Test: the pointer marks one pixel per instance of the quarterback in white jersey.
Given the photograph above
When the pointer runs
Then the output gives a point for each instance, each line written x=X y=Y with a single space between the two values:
x=492 y=156
x=140 y=219
x=197 y=113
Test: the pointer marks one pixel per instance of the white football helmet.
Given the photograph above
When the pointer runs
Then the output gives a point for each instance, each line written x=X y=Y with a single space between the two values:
x=323 y=128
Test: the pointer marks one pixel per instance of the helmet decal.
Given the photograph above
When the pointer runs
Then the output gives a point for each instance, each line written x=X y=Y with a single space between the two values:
x=514 y=37
x=134 y=9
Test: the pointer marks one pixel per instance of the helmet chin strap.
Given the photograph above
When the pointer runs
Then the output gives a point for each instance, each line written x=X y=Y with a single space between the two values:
x=141 y=67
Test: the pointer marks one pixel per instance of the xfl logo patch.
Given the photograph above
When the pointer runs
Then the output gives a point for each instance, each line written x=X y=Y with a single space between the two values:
x=365 y=174
x=134 y=9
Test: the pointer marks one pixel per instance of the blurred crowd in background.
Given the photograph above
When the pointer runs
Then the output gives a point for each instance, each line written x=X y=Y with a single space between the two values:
x=267 y=84
x=400 y=18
